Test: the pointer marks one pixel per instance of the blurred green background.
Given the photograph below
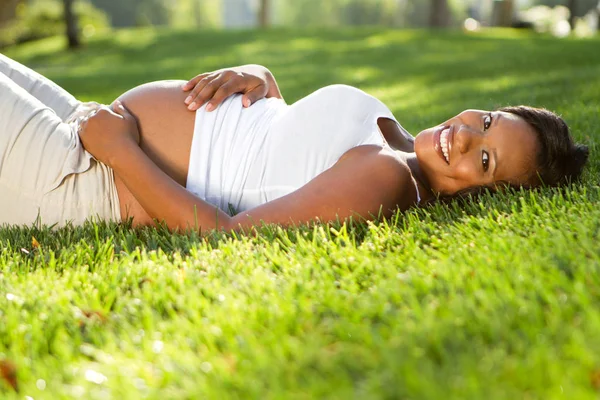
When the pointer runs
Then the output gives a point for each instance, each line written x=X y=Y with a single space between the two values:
x=26 y=20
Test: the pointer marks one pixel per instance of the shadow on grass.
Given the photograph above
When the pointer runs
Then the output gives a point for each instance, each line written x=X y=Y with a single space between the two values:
x=426 y=225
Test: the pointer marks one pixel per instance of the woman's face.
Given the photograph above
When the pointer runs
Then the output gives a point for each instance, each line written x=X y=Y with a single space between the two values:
x=477 y=148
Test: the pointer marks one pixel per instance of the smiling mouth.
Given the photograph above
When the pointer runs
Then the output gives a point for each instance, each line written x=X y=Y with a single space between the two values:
x=442 y=142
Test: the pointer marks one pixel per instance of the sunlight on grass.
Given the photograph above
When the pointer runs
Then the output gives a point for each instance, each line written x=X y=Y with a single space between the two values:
x=495 y=298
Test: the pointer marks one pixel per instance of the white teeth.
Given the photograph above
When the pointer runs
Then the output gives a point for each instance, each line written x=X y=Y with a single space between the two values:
x=444 y=144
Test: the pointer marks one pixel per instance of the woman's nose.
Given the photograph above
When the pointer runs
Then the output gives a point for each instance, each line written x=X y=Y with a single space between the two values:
x=465 y=137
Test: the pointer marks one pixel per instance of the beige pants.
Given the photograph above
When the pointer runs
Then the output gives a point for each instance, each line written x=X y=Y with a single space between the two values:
x=45 y=174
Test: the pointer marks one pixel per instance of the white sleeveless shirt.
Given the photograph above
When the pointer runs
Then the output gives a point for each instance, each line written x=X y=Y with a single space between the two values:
x=244 y=157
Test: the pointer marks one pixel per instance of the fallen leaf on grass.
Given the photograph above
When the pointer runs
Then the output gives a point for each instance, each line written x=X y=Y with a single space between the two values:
x=34 y=243
x=595 y=379
x=89 y=317
x=144 y=280
x=94 y=314
x=8 y=372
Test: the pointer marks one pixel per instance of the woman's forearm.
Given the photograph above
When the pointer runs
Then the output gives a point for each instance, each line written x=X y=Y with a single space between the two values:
x=161 y=197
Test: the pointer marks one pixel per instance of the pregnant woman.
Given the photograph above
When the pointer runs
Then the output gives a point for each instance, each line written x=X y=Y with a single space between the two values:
x=161 y=153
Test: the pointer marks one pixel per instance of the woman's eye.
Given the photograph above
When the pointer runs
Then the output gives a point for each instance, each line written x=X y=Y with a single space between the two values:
x=487 y=121
x=485 y=160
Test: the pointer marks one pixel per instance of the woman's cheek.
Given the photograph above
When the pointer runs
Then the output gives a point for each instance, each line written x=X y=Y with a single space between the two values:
x=420 y=145
x=466 y=175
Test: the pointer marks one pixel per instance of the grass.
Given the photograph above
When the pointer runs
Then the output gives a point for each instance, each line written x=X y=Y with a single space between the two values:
x=493 y=299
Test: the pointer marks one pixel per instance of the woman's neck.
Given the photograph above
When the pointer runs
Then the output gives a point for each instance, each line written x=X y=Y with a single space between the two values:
x=423 y=184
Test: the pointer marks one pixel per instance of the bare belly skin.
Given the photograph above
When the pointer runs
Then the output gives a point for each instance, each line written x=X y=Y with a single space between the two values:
x=166 y=131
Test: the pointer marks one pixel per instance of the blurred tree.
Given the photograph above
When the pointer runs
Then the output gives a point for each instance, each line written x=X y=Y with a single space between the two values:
x=502 y=12
x=577 y=7
x=417 y=12
x=263 y=13
x=369 y=12
x=71 y=23
x=8 y=10
x=439 y=13
x=121 y=13
x=125 y=13
x=153 y=12
x=37 y=19
x=197 y=12
x=572 y=5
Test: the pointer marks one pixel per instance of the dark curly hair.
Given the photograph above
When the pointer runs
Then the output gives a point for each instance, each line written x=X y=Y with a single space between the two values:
x=559 y=159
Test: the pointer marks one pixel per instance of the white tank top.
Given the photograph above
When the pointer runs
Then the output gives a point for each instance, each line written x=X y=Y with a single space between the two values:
x=244 y=157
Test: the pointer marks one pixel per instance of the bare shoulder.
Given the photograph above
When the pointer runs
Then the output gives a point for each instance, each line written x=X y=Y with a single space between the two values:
x=384 y=171
x=382 y=161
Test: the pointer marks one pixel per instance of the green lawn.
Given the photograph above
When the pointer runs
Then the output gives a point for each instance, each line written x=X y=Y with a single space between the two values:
x=495 y=299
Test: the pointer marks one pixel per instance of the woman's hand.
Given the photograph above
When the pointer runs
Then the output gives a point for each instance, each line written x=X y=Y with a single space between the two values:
x=254 y=81
x=108 y=131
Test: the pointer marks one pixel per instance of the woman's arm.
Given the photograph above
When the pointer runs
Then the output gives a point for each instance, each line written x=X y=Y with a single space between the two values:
x=362 y=189
x=364 y=183
x=161 y=197
x=254 y=81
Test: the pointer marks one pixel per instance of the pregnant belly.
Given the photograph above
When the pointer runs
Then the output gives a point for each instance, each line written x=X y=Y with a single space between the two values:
x=166 y=125
x=166 y=131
